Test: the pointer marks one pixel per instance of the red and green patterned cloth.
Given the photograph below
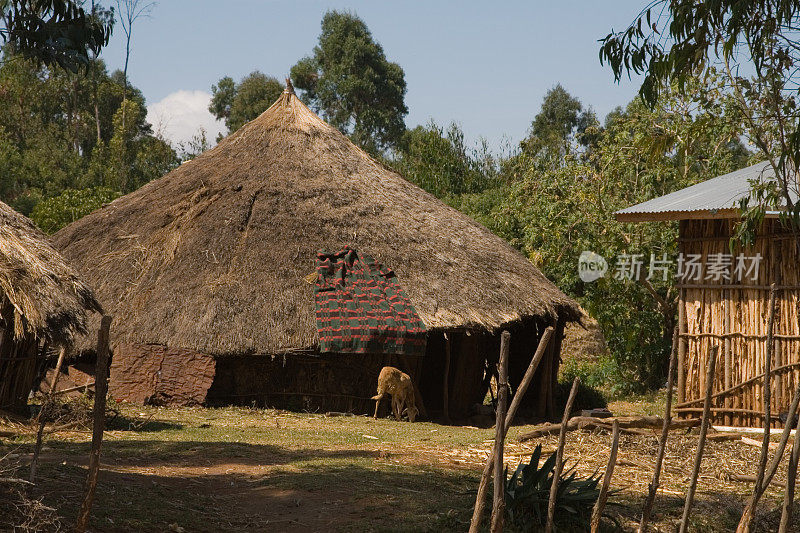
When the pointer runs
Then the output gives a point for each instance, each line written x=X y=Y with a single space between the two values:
x=361 y=308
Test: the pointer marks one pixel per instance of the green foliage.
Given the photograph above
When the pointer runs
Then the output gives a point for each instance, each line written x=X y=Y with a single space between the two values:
x=55 y=32
x=752 y=46
x=55 y=213
x=441 y=163
x=62 y=130
x=349 y=80
x=600 y=380
x=527 y=493
x=239 y=103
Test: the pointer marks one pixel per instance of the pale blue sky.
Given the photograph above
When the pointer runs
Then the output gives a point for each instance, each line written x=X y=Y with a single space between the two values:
x=484 y=65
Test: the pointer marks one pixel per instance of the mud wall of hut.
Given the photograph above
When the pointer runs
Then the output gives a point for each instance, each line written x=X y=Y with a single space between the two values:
x=733 y=314
x=157 y=374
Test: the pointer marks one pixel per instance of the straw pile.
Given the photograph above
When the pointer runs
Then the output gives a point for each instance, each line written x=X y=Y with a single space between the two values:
x=212 y=257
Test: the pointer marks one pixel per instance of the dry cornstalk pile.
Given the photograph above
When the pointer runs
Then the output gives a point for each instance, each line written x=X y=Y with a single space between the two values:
x=725 y=481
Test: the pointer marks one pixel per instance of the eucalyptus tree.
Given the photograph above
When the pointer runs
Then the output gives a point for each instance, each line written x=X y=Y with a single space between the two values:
x=351 y=82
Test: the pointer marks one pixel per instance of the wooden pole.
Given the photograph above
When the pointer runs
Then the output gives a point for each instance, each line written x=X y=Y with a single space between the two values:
x=728 y=355
x=767 y=389
x=597 y=512
x=42 y=416
x=499 y=505
x=101 y=390
x=791 y=479
x=744 y=522
x=662 y=441
x=488 y=467
x=559 y=466
x=712 y=359
x=682 y=346
x=541 y=349
x=446 y=381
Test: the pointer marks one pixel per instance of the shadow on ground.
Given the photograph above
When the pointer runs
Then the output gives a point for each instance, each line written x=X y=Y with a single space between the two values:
x=218 y=486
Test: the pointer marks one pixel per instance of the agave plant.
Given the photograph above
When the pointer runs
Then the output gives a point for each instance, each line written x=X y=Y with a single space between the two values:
x=527 y=493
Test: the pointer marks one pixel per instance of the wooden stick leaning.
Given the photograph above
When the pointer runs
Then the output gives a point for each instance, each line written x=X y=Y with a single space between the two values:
x=42 y=416
x=528 y=377
x=499 y=504
x=791 y=478
x=489 y=466
x=99 y=416
x=743 y=384
x=559 y=467
x=687 y=507
x=747 y=515
x=597 y=511
x=767 y=389
x=662 y=442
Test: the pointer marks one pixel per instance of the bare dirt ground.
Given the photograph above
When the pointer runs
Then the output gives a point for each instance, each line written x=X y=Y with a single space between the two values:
x=236 y=469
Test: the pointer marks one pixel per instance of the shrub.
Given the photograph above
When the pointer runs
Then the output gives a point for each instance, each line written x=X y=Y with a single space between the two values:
x=527 y=493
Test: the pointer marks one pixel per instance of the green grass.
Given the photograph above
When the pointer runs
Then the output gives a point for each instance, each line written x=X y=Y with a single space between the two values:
x=231 y=468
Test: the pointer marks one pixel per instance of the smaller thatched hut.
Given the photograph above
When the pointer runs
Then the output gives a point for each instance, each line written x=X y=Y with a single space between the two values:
x=724 y=298
x=43 y=306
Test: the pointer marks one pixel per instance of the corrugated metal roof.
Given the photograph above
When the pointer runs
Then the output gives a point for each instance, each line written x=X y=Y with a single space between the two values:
x=704 y=200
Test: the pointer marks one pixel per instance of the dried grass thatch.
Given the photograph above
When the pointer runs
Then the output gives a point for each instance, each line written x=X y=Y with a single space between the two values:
x=212 y=257
x=48 y=299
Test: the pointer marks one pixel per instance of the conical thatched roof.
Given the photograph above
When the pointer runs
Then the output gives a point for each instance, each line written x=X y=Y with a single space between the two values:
x=212 y=256
x=45 y=293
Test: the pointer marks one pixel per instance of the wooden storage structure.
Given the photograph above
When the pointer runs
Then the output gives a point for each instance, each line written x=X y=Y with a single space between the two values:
x=731 y=313
x=734 y=314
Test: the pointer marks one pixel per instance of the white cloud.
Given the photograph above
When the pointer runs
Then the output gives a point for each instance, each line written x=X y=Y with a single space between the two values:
x=180 y=115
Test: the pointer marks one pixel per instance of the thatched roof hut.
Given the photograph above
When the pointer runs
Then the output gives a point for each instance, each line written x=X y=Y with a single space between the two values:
x=212 y=257
x=43 y=304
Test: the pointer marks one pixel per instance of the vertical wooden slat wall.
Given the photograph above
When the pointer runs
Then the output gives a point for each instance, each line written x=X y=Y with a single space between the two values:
x=733 y=314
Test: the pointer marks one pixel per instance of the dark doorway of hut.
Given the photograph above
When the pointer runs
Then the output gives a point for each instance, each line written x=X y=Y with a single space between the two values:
x=459 y=365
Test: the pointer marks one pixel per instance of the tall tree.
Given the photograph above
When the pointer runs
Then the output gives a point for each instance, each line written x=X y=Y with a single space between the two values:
x=561 y=120
x=130 y=11
x=350 y=81
x=239 y=103
x=563 y=126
